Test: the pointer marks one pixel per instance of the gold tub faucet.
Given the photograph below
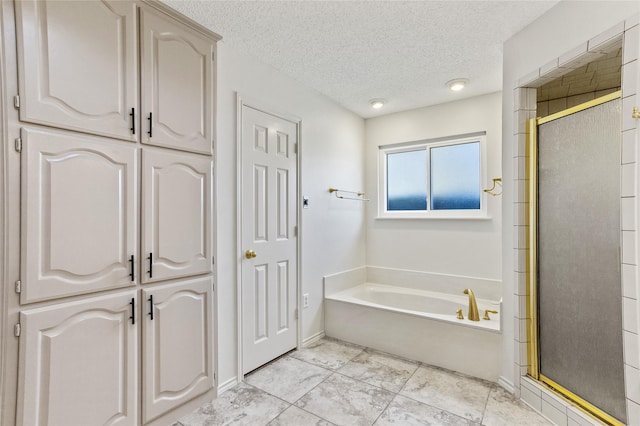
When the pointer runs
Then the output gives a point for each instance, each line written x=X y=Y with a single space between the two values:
x=473 y=306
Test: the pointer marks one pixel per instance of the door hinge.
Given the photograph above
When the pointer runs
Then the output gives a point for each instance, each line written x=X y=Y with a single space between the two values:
x=296 y=313
x=295 y=148
x=16 y=330
x=16 y=101
x=213 y=260
x=295 y=231
x=18 y=286
x=18 y=144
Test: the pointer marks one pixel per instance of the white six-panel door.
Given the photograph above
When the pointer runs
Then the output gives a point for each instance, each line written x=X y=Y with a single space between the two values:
x=79 y=210
x=269 y=243
x=79 y=65
x=175 y=81
x=177 y=347
x=176 y=205
x=79 y=363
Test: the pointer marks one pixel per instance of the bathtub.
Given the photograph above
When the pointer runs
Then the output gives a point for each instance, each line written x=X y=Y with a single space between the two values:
x=416 y=320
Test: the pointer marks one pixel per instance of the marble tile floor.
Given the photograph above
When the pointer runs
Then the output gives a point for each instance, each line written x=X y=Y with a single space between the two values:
x=335 y=383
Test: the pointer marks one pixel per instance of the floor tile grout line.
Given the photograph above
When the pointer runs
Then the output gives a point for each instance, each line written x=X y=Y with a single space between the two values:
x=486 y=402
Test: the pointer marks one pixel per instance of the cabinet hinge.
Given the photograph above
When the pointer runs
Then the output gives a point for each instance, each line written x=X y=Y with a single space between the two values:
x=16 y=101
x=16 y=330
x=18 y=286
x=18 y=144
x=213 y=260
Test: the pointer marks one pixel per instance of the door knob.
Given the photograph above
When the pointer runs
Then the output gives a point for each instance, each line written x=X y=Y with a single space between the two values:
x=250 y=254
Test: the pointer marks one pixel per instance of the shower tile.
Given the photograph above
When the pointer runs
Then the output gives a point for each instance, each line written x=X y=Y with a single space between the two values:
x=633 y=413
x=628 y=122
x=242 y=405
x=604 y=39
x=288 y=378
x=628 y=213
x=531 y=398
x=578 y=418
x=504 y=410
x=629 y=283
x=345 y=401
x=628 y=147
x=520 y=149
x=328 y=353
x=407 y=412
x=631 y=45
x=628 y=187
x=294 y=416
x=631 y=354
x=632 y=383
x=630 y=315
x=629 y=79
x=462 y=395
x=558 y=417
x=378 y=369
x=629 y=247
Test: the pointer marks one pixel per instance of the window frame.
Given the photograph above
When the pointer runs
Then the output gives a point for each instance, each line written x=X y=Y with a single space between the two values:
x=427 y=144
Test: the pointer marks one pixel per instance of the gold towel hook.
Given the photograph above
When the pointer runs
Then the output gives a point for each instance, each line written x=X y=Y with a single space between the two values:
x=496 y=182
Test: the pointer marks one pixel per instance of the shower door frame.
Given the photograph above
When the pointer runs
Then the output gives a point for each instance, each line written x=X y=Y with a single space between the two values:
x=532 y=260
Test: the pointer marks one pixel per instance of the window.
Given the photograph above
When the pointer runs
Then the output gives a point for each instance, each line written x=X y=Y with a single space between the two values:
x=438 y=178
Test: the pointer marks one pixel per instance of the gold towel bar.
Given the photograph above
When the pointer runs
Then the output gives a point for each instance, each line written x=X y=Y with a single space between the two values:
x=359 y=195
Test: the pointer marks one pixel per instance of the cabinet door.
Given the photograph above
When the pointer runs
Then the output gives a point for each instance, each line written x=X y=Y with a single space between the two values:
x=79 y=214
x=177 y=344
x=176 y=85
x=78 y=363
x=78 y=65
x=176 y=207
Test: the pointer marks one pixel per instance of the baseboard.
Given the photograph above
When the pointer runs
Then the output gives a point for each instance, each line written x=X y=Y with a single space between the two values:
x=506 y=384
x=223 y=387
x=312 y=339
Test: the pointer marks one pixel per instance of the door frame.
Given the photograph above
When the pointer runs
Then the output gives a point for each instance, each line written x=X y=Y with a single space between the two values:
x=242 y=101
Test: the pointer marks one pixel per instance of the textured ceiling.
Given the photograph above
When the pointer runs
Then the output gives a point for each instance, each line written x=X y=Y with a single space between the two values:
x=353 y=51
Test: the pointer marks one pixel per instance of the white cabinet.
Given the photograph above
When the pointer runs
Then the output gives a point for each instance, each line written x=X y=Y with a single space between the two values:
x=176 y=211
x=79 y=227
x=177 y=346
x=115 y=157
x=176 y=85
x=78 y=65
x=79 y=363
x=79 y=60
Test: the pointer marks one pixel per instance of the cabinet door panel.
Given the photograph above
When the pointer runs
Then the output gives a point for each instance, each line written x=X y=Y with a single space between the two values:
x=79 y=225
x=177 y=211
x=78 y=65
x=176 y=85
x=79 y=363
x=177 y=352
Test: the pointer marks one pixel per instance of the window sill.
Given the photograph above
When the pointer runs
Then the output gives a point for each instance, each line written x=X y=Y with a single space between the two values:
x=447 y=217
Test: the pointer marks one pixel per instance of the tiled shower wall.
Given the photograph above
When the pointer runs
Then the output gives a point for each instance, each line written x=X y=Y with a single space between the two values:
x=557 y=409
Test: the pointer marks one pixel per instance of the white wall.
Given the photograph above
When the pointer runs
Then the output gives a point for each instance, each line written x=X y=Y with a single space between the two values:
x=568 y=25
x=332 y=147
x=459 y=247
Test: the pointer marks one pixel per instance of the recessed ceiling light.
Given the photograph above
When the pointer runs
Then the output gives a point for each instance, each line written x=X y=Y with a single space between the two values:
x=457 y=84
x=377 y=103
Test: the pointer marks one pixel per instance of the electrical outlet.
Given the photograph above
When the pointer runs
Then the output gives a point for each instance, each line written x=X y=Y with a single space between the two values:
x=305 y=300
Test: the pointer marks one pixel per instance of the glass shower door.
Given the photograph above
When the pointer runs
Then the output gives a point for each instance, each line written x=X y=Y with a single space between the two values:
x=579 y=296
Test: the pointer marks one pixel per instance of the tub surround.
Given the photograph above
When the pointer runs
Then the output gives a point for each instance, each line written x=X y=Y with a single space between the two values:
x=465 y=346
